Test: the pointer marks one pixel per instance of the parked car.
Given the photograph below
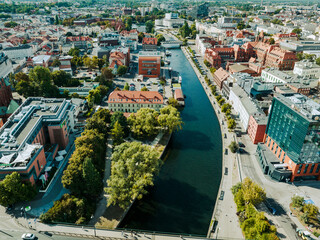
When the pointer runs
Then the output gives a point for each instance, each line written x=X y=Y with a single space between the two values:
x=226 y=151
x=221 y=195
x=226 y=171
x=28 y=236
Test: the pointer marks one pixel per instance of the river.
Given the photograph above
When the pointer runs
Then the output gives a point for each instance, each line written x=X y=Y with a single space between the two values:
x=184 y=193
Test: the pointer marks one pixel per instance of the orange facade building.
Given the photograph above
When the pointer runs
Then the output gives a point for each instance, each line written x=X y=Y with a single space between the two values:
x=149 y=64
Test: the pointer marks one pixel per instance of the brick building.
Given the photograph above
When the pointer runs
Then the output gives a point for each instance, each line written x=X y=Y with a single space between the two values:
x=36 y=123
x=220 y=76
x=149 y=64
x=149 y=44
x=257 y=127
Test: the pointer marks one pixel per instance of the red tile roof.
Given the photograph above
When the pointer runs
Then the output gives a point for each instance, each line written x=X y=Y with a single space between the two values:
x=139 y=97
x=150 y=41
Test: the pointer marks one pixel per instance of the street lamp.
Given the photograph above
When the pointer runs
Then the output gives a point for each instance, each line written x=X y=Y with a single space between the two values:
x=94 y=227
x=217 y=232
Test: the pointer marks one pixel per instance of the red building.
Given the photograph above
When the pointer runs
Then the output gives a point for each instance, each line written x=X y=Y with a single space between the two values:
x=149 y=43
x=5 y=93
x=257 y=128
x=119 y=57
x=149 y=64
x=220 y=76
x=217 y=56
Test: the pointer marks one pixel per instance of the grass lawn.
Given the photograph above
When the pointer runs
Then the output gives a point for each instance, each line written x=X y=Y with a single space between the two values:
x=313 y=225
x=111 y=217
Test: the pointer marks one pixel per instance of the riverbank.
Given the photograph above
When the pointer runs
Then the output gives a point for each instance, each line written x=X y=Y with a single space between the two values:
x=113 y=215
x=223 y=220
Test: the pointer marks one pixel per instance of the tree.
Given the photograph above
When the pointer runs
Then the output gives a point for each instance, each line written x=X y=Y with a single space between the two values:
x=74 y=52
x=169 y=118
x=297 y=30
x=271 y=41
x=225 y=107
x=56 y=63
x=106 y=76
x=117 y=133
x=206 y=63
x=185 y=31
x=133 y=168
x=213 y=70
x=144 y=122
x=231 y=123
x=126 y=87
x=122 y=70
x=61 y=78
x=10 y=24
x=233 y=147
x=173 y=102
x=13 y=190
x=90 y=63
x=128 y=23
x=91 y=179
x=311 y=210
x=241 y=25
x=144 y=89
x=221 y=101
x=252 y=192
x=149 y=26
x=56 y=22
x=297 y=201
x=140 y=36
x=160 y=39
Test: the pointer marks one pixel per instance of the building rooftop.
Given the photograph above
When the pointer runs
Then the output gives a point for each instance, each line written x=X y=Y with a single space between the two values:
x=303 y=105
x=15 y=133
x=149 y=53
x=135 y=97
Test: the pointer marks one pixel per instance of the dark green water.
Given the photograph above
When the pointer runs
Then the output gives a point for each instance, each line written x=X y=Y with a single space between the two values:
x=184 y=193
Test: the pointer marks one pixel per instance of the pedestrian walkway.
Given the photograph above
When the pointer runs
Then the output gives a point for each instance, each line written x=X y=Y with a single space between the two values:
x=102 y=205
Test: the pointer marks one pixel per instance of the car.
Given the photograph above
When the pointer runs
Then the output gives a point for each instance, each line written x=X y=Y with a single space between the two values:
x=28 y=236
x=226 y=151
x=221 y=195
x=142 y=85
x=225 y=135
x=226 y=171
x=241 y=144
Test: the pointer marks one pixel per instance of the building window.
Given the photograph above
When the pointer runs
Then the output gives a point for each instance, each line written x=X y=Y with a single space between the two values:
x=38 y=165
x=306 y=168
x=318 y=168
x=299 y=170
x=312 y=167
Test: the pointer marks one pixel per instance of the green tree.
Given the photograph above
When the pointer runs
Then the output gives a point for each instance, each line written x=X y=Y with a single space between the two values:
x=233 y=147
x=144 y=122
x=61 y=78
x=91 y=63
x=225 y=107
x=122 y=70
x=133 y=168
x=56 y=63
x=117 y=133
x=106 y=77
x=56 y=22
x=126 y=87
x=173 y=102
x=206 y=63
x=74 y=52
x=311 y=210
x=91 y=179
x=297 y=201
x=149 y=26
x=252 y=192
x=140 y=36
x=297 y=30
x=221 y=101
x=169 y=118
x=185 y=31
x=160 y=39
x=231 y=123
x=13 y=190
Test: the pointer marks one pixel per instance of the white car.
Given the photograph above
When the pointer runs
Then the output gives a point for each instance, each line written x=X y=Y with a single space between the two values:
x=28 y=236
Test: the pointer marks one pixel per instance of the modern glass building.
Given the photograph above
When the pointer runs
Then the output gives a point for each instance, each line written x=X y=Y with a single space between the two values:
x=293 y=135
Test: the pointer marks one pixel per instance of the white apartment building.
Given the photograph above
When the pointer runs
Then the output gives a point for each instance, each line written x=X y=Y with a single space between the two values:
x=307 y=69
x=19 y=52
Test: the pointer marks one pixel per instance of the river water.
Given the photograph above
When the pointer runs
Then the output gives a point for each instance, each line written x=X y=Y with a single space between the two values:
x=184 y=193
